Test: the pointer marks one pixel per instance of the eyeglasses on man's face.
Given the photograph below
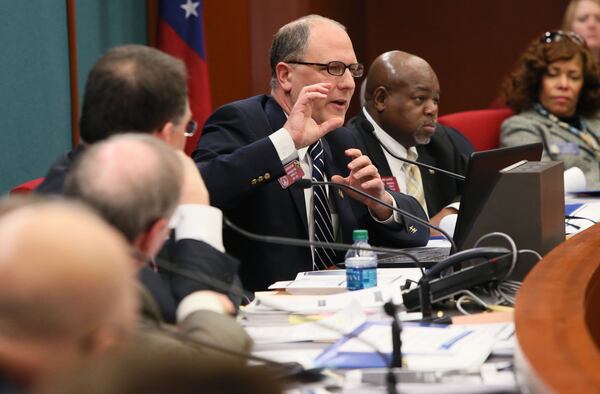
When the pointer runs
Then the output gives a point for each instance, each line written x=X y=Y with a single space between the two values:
x=190 y=128
x=337 y=68
x=557 y=35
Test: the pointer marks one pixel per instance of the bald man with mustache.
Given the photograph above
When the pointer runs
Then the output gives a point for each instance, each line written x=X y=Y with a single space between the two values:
x=402 y=96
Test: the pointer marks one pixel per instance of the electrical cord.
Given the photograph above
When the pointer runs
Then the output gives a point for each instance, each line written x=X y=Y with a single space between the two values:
x=469 y=296
x=512 y=245
x=570 y=217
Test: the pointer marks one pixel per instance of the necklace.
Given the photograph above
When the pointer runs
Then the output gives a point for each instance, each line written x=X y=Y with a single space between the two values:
x=584 y=134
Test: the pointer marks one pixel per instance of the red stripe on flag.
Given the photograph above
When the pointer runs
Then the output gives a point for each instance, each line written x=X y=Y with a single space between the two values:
x=198 y=81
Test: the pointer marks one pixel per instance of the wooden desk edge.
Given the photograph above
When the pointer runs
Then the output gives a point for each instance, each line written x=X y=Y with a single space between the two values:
x=557 y=330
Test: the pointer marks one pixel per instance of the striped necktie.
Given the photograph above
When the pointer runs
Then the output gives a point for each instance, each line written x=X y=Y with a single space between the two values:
x=322 y=257
x=414 y=183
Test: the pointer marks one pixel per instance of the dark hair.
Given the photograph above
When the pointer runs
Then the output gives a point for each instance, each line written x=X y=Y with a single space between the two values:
x=132 y=88
x=290 y=41
x=523 y=86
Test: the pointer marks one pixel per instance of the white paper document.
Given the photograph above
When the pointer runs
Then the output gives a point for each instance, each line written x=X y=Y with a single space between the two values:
x=434 y=347
x=369 y=299
x=586 y=216
x=328 y=329
x=334 y=281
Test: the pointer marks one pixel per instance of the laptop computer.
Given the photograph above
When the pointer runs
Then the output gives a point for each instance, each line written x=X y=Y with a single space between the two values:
x=483 y=171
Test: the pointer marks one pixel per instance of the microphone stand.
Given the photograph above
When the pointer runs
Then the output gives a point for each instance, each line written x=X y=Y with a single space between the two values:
x=425 y=294
x=306 y=183
x=306 y=243
x=369 y=127
x=391 y=310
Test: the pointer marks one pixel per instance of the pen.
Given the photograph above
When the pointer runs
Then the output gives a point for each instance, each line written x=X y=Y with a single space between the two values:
x=452 y=341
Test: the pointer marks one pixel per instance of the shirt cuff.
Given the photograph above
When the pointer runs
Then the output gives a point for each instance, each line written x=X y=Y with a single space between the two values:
x=199 y=222
x=198 y=301
x=284 y=145
x=394 y=218
x=454 y=205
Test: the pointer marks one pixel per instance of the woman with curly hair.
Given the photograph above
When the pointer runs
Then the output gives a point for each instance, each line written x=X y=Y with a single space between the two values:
x=555 y=91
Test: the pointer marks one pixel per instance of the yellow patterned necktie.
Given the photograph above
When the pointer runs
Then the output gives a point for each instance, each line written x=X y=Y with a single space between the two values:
x=414 y=183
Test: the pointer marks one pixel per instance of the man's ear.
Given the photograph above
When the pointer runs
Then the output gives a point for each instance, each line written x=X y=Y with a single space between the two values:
x=284 y=75
x=380 y=96
x=165 y=133
x=151 y=240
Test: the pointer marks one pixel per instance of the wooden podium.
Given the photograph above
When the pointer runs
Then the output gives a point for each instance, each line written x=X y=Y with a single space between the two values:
x=558 y=319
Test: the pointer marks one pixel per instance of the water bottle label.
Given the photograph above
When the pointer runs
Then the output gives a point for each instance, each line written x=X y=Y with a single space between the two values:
x=358 y=278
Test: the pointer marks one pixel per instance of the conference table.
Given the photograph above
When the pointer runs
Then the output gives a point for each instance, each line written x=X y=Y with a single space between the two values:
x=557 y=319
x=557 y=327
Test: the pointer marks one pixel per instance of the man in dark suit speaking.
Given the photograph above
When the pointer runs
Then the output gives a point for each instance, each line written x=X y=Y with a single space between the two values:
x=253 y=151
x=401 y=108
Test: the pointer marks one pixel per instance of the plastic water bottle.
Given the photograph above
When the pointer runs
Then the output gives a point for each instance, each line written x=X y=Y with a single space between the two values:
x=361 y=265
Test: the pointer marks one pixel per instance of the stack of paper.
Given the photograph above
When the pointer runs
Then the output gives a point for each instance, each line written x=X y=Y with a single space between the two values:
x=334 y=281
x=369 y=299
x=424 y=347
x=327 y=329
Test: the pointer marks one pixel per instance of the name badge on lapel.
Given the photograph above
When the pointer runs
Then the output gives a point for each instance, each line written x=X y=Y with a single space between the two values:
x=564 y=148
x=293 y=172
x=391 y=183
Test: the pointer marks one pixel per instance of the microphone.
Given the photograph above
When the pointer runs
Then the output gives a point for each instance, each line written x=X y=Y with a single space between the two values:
x=307 y=183
x=307 y=243
x=369 y=127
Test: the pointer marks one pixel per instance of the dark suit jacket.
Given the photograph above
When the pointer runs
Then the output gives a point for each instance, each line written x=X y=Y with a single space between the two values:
x=240 y=167
x=54 y=181
x=448 y=150
x=199 y=258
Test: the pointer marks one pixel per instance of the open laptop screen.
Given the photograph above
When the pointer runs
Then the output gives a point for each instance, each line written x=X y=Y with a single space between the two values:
x=483 y=171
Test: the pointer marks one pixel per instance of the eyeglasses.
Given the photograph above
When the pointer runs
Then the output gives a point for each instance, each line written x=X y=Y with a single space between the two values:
x=190 y=128
x=557 y=35
x=337 y=68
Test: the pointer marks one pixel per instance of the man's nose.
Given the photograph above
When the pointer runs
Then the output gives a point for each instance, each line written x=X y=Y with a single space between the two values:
x=431 y=108
x=346 y=80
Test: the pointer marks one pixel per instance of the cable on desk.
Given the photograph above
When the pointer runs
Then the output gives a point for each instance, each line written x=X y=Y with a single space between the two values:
x=513 y=247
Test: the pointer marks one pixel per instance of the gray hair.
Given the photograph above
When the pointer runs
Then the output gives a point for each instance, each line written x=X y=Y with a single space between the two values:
x=132 y=180
x=291 y=39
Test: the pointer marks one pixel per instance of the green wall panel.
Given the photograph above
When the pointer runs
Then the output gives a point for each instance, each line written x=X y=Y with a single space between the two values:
x=34 y=74
x=103 y=24
x=34 y=88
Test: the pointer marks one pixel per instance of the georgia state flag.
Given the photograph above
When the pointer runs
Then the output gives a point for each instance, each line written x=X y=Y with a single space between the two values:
x=181 y=34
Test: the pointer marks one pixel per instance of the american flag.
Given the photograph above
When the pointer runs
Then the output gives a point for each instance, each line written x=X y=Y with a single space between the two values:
x=181 y=34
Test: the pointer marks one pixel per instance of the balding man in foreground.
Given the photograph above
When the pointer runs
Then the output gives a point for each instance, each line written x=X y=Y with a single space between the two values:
x=134 y=181
x=66 y=291
x=401 y=107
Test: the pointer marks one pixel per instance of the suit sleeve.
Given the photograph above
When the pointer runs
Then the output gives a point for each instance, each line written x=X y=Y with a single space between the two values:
x=408 y=232
x=210 y=269
x=517 y=130
x=234 y=159
x=201 y=333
